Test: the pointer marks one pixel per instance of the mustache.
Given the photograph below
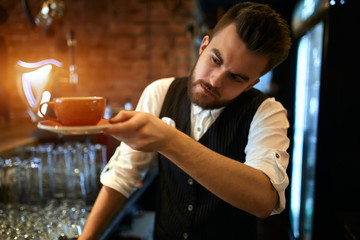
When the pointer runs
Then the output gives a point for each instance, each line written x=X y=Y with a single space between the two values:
x=208 y=87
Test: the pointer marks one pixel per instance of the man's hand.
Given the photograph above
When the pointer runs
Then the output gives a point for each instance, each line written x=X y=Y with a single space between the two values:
x=141 y=131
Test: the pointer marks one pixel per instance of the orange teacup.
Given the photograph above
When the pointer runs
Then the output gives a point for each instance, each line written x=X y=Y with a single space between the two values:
x=76 y=111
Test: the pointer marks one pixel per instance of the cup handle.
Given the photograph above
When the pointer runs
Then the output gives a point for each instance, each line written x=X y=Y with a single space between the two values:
x=50 y=104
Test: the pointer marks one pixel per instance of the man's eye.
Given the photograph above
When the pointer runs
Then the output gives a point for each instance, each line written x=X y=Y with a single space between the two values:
x=233 y=76
x=236 y=78
x=215 y=60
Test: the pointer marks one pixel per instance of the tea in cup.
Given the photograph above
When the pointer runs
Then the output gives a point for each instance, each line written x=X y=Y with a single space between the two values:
x=76 y=111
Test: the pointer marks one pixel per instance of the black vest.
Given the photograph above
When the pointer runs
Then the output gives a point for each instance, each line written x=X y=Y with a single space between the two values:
x=185 y=208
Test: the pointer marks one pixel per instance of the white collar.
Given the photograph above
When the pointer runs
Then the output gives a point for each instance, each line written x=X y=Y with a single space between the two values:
x=197 y=110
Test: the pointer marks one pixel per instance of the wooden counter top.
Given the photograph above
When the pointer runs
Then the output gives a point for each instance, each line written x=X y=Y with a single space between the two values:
x=14 y=135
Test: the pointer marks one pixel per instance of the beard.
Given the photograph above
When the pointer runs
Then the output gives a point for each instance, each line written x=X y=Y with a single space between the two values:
x=201 y=99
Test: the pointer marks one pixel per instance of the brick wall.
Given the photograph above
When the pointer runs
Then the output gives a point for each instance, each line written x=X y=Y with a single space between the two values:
x=122 y=46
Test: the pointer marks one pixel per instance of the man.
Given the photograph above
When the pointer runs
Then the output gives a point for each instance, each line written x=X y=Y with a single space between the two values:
x=221 y=144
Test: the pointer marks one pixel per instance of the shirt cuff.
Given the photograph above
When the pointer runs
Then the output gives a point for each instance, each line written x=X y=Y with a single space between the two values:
x=270 y=163
x=125 y=168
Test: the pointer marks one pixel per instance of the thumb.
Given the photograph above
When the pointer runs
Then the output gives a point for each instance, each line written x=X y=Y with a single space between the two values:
x=122 y=116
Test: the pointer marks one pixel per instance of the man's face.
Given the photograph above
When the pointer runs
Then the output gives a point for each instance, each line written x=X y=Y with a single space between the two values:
x=224 y=69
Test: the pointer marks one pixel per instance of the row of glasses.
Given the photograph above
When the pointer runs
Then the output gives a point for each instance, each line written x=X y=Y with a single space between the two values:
x=48 y=171
x=20 y=180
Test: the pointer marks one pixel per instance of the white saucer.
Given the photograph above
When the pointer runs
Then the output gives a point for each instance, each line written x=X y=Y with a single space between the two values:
x=73 y=130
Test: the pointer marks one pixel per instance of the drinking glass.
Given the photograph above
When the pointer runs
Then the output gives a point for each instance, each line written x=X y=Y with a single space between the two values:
x=11 y=182
x=61 y=166
x=100 y=162
x=36 y=195
x=44 y=152
x=76 y=188
x=82 y=167
x=24 y=179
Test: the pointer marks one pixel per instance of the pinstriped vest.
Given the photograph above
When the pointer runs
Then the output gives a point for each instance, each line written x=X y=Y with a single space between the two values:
x=185 y=208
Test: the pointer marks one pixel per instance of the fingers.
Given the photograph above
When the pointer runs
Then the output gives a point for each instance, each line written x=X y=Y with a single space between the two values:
x=122 y=116
x=125 y=124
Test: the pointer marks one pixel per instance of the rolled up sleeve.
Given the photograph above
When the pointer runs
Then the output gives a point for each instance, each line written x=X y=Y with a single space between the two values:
x=125 y=168
x=267 y=146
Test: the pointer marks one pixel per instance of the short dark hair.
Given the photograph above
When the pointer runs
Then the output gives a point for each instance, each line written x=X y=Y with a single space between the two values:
x=261 y=28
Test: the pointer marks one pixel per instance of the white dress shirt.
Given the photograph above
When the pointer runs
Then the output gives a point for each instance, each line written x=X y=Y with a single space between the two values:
x=265 y=150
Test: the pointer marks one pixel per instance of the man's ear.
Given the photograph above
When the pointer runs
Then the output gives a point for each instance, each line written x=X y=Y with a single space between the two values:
x=252 y=84
x=204 y=43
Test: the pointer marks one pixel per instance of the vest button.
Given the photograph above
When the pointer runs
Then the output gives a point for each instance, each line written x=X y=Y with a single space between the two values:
x=186 y=236
x=190 y=207
x=190 y=181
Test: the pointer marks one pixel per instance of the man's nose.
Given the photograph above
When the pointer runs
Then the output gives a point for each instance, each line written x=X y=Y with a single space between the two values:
x=217 y=78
